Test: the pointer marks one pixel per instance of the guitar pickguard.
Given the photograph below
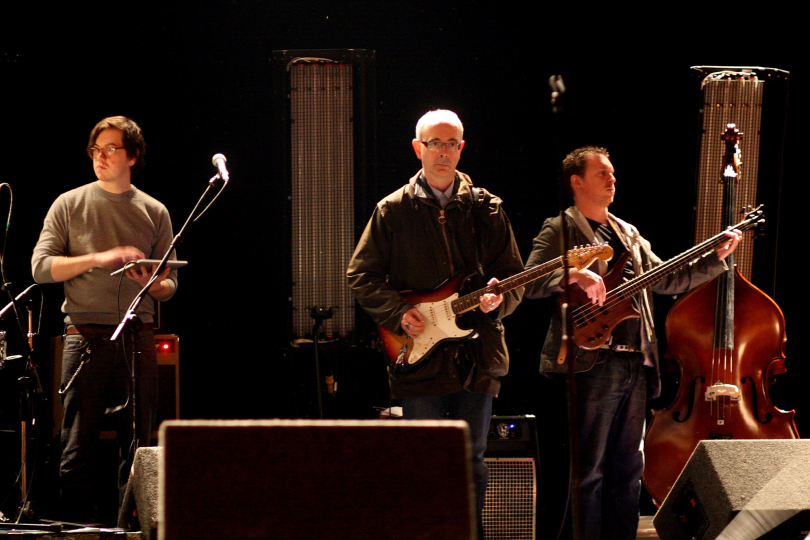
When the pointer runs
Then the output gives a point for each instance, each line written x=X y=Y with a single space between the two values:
x=440 y=325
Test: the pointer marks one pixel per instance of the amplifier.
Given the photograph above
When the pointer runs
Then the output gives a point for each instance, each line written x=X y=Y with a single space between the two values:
x=510 y=507
x=512 y=436
x=168 y=359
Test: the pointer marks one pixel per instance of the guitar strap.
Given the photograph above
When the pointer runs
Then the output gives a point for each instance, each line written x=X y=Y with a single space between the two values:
x=465 y=367
x=476 y=196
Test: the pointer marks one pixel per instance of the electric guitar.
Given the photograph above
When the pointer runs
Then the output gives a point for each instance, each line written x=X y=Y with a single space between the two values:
x=442 y=306
x=592 y=324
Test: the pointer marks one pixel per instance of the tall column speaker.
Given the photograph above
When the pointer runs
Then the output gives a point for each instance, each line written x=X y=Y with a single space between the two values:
x=755 y=99
x=324 y=148
x=740 y=490
x=325 y=479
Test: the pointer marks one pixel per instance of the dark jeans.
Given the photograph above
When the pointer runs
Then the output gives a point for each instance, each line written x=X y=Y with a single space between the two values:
x=102 y=384
x=611 y=399
x=473 y=408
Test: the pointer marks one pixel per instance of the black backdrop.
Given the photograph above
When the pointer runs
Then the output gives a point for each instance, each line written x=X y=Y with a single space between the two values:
x=197 y=77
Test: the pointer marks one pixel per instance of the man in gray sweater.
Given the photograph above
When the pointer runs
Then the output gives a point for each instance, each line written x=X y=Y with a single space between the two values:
x=88 y=232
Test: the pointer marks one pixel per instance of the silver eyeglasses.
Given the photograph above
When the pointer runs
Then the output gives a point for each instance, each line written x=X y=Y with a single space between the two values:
x=436 y=146
x=108 y=150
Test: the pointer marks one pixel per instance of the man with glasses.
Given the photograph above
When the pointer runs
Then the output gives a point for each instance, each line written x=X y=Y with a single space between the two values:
x=434 y=227
x=87 y=233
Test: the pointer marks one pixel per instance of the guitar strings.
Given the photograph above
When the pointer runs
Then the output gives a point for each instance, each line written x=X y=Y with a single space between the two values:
x=589 y=311
x=471 y=300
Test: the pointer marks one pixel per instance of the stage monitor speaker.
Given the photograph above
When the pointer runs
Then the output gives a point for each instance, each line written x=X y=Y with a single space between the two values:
x=327 y=479
x=139 y=511
x=740 y=490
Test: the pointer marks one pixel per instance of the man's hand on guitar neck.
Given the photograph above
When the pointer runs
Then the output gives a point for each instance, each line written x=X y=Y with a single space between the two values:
x=413 y=322
x=590 y=282
x=490 y=302
x=728 y=248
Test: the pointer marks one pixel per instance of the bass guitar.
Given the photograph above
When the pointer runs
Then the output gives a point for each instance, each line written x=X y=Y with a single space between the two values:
x=592 y=324
x=442 y=306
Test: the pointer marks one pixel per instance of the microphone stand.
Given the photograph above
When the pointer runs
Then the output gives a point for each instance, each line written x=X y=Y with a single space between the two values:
x=30 y=383
x=131 y=318
x=30 y=387
x=568 y=346
x=320 y=314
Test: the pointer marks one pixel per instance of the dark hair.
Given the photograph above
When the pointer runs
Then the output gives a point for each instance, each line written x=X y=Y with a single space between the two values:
x=575 y=163
x=133 y=137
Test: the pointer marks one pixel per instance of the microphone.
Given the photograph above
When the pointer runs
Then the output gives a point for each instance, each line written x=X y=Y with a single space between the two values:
x=219 y=162
x=17 y=299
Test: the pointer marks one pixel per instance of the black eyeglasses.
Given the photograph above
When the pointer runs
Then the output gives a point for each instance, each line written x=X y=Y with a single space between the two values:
x=108 y=150
x=436 y=146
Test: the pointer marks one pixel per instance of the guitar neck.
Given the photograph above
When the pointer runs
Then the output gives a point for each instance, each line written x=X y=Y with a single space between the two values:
x=637 y=284
x=473 y=299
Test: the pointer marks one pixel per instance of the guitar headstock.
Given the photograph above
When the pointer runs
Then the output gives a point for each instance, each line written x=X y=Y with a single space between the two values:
x=583 y=256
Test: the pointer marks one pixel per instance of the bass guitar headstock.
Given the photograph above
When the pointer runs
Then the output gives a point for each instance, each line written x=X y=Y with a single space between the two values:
x=755 y=219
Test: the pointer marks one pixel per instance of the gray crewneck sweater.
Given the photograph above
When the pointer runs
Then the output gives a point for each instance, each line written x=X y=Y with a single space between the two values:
x=89 y=219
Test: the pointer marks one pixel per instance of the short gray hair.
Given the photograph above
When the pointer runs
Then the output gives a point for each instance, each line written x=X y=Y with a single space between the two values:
x=438 y=116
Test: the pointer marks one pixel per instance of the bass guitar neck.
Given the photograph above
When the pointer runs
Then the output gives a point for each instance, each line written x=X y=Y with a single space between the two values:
x=592 y=324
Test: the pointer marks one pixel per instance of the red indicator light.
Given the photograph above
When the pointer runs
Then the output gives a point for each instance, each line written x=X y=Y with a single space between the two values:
x=164 y=345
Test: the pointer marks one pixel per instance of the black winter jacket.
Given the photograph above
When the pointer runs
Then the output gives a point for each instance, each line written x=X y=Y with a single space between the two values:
x=412 y=244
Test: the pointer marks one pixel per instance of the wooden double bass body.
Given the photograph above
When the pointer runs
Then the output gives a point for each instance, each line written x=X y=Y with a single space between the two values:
x=703 y=409
x=728 y=340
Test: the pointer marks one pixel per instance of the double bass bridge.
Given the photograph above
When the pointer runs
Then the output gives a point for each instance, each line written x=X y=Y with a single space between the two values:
x=718 y=390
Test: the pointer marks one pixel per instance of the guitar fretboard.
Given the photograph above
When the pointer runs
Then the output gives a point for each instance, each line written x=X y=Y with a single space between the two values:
x=473 y=299
x=639 y=283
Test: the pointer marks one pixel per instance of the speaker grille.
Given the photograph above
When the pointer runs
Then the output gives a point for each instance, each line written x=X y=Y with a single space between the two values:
x=509 y=508
x=322 y=145
x=738 y=101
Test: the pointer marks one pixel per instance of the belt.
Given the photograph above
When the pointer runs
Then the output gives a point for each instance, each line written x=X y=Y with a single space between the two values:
x=619 y=348
x=99 y=330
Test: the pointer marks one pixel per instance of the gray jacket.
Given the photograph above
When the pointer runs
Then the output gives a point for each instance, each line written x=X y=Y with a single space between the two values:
x=547 y=246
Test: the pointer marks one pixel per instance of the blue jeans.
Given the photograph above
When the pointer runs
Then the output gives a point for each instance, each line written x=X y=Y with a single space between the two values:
x=611 y=413
x=473 y=408
x=102 y=383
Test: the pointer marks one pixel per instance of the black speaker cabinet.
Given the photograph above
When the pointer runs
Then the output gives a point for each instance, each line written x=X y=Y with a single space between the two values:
x=168 y=358
x=740 y=489
x=510 y=508
x=325 y=479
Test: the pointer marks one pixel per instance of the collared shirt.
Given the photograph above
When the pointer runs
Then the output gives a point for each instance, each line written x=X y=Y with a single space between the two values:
x=443 y=196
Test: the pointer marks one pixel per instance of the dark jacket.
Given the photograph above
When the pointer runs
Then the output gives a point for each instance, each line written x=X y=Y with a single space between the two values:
x=547 y=246
x=407 y=246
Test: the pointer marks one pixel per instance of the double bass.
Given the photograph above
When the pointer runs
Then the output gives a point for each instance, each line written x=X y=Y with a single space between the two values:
x=728 y=340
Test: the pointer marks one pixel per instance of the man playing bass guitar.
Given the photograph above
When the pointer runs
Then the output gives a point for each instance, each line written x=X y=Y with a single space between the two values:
x=617 y=366
x=434 y=227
